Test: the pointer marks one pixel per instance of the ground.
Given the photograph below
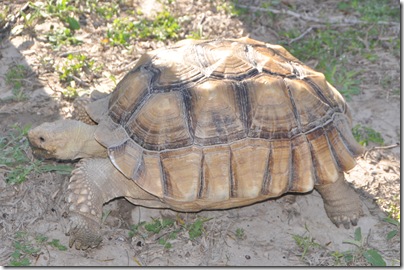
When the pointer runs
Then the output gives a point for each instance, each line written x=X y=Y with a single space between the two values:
x=53 y=51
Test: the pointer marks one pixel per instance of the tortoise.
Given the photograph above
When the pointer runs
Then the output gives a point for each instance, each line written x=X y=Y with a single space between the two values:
x=206 y=124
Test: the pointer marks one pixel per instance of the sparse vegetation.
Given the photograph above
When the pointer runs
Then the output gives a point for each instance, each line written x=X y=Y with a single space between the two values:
x=365 y=135
x=168 y=229
x=28 y=247
x=123 y=30
x=75 y=71
x=16 y=79
x=358 y=256
x=371 y=255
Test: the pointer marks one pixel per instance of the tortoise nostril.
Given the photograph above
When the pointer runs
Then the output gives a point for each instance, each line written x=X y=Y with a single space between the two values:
x=42 y=139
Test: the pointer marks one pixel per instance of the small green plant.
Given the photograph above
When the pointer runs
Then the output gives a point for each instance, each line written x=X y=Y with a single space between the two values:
x=372 y=256
x=15 y=77
x=13 y=157
x=27 y=247
x=364 y=135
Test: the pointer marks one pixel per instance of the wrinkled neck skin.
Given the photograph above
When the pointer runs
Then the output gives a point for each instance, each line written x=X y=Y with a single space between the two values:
x=84 y=144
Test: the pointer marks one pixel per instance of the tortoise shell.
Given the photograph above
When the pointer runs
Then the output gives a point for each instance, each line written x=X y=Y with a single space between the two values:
x=226 y=121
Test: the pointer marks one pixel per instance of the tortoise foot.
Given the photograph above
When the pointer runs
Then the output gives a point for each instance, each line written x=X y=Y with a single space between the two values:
x=85 y=201
x=341 y=203
x=84 y=232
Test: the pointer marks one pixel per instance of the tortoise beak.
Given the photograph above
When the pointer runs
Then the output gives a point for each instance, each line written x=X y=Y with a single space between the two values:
x=41 y=153
x=36 y=142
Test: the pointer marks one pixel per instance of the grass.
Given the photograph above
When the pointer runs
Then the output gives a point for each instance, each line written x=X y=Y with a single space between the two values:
x=15 y=78
x=14 y=159
x=27 y=247
x=164 y=230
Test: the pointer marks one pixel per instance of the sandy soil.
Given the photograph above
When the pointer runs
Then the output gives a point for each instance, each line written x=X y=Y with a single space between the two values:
x=36 y=206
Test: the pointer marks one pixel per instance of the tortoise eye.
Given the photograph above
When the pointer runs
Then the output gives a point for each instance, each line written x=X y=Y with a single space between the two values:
x=42 y=139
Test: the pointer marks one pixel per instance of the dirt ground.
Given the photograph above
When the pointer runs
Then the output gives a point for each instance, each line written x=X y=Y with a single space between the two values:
x=269 y=228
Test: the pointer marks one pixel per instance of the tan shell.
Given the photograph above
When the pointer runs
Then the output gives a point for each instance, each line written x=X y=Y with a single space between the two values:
x=226 y=122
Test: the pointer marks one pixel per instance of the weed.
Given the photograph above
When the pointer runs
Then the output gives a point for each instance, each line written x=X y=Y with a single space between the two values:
x=15 y=77
x=364 y=135
x=372 y=256
x=13 y=157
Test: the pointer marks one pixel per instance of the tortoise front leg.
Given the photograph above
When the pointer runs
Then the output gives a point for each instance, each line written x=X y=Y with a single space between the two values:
x=341 y=202
x=94 y=182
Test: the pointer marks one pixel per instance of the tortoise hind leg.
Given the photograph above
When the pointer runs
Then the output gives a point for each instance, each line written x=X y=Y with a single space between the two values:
x=341 y=203
x=94 y=182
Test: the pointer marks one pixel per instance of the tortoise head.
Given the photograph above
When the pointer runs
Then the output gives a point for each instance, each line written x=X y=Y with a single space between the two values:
x=64 y=140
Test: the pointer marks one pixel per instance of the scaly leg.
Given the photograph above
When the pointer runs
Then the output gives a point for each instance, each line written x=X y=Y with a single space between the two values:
x=93 y=183
x=341 y=203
